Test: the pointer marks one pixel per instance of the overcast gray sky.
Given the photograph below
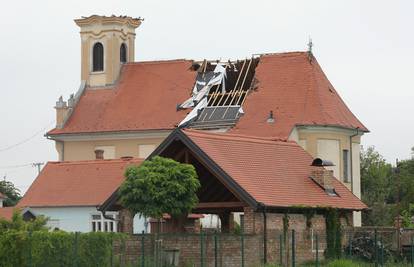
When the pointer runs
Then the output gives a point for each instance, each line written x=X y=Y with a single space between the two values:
x=364 y=47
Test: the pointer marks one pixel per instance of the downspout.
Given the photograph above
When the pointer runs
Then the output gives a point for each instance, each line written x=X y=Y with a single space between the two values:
x=351 y=159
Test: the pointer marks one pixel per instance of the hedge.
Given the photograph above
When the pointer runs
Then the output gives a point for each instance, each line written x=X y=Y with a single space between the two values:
x=58 y=248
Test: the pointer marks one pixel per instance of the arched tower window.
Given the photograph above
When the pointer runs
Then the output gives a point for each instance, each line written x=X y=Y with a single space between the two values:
x=98 y=57
x=123 y=53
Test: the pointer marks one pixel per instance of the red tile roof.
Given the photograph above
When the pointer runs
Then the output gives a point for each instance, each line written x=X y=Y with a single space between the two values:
x=297 y=91
x=76 y=183
x=145 y=98
x=275 y=173
x=7 y=212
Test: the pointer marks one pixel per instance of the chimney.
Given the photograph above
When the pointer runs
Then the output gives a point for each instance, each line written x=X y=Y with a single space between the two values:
x=62 y=111
x=323 y=177
x=99 y=154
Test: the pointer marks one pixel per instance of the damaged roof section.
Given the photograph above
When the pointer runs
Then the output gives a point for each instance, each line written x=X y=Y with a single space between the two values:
x=219 y=92
x=289 y=90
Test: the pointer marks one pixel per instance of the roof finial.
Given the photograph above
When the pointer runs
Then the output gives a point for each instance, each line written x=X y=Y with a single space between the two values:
x=310 y=45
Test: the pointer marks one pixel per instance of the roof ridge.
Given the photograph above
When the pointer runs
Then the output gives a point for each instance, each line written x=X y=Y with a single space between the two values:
x=246 y=138
x=145 y=62
x=95 y=161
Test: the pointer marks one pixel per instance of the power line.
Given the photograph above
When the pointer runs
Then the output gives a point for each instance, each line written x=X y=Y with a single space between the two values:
x=16 y=166
x=27 y=139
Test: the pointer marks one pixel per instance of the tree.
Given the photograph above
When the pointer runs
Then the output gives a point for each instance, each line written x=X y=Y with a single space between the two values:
x=11 y=192
x=160 y=186
x=376 y=181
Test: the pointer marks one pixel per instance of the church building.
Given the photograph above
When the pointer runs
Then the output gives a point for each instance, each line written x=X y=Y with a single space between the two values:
x=278 y=111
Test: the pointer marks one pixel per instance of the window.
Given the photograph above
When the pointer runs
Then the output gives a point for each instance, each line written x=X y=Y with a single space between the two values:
x=98 y=57
x=145 y=150
x=101 y=224
x=123 y=53
x=346 y=165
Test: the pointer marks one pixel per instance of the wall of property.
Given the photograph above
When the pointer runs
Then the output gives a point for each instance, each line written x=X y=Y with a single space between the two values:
x=85 y=150
x=71 y=219
x=111 y=36
x=328 y=143
x=76 y=219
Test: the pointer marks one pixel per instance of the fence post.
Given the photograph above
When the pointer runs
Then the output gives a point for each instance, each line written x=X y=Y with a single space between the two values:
x=375 y=247
x=242 y=247
x=382 y=250
x=281 y=249
x=142 y=249
x=111 y=259
x=201 y=249
x=75 y=250
x=215 y=249
x=317 y=250
x=30 y=249
x=412 y=251
x=350 y=245
x=293 y=248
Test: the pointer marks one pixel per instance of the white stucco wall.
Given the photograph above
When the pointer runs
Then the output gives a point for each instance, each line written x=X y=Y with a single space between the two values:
x=71 y=219
x=76 y=219
x=139 y=225
x=356 y=184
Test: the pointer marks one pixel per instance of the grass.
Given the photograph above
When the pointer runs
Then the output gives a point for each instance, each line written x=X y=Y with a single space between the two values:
x=344 y=263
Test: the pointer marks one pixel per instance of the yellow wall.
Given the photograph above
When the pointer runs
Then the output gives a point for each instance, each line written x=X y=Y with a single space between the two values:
x=85 y=150
x=308 y=137
x=111 y=35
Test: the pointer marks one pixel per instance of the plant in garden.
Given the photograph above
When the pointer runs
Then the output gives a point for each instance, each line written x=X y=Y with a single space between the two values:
x=17 y=223
x=160 y=186
x=11 y=192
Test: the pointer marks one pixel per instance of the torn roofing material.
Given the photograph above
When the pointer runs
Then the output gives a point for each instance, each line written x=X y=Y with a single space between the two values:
x=283 y=166
x=147 y=95
x=76 y=183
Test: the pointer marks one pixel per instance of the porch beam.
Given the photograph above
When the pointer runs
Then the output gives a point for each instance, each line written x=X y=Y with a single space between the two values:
x=208 y=205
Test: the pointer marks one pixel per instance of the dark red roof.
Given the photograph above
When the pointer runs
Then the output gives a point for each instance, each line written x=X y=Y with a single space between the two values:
x=7 y=212
x=145 y=98
x=276 y=173
x=298 y=93
x=76 y=183
x=296 y=90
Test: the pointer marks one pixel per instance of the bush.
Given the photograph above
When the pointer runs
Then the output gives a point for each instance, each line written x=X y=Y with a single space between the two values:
x=58 y=248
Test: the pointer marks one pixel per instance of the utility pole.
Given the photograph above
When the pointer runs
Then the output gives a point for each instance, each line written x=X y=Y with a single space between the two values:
x=38 y=165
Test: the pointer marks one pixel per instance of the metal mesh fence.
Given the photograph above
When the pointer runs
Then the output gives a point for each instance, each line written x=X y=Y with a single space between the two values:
x=301 y=247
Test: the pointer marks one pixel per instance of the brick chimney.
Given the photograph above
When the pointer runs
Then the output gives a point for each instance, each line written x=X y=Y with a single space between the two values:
x=323 y=177
x=62 y=111
x=99 y=154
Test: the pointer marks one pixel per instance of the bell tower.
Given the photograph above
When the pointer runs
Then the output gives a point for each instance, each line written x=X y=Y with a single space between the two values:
x=106 y=43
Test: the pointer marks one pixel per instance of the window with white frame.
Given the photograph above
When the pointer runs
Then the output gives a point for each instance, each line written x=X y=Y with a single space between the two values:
x=101 y=224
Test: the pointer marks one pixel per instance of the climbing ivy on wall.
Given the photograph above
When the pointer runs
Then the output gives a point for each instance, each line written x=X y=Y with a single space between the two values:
x=333 y=234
